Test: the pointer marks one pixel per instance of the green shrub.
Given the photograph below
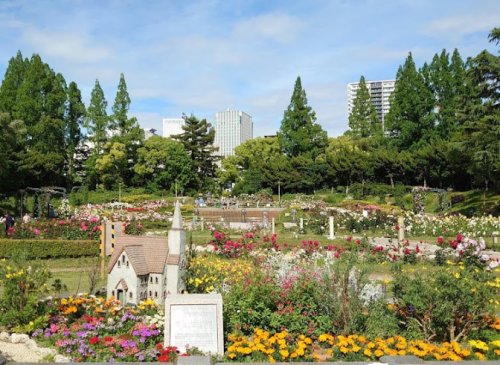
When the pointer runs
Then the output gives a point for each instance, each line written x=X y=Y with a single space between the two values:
x=443 y=305
x=23 y=286
x=48 y=248
x=381 y=321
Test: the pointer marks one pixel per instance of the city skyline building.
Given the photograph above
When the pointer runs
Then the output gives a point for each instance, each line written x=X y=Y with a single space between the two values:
x=172 y=126
x=380 y=91
x=232 y=128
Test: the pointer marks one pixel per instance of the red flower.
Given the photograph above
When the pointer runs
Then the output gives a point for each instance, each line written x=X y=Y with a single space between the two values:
x=417 y=249
x=440 y=240
x=459 y=238
x=358 y=241
x=94 y=340
x=349 y=239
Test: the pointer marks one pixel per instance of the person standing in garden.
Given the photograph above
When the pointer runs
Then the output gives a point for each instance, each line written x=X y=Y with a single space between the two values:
x=9 y=222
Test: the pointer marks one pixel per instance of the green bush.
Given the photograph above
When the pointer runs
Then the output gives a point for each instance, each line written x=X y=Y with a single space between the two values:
x=443 y=305
x=43 y=249
x=23 y=286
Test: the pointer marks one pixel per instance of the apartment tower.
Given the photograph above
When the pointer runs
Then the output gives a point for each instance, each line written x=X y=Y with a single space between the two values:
x=232 y=128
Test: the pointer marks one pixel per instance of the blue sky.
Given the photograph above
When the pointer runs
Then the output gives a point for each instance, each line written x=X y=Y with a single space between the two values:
x=201 y=57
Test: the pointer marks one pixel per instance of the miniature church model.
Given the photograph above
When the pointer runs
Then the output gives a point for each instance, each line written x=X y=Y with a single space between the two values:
x=143 y=267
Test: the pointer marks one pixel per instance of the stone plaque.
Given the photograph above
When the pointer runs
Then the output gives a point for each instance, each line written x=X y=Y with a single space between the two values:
x=194 y=320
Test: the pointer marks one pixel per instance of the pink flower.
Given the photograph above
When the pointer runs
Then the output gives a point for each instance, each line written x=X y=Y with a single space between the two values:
x=36 y=231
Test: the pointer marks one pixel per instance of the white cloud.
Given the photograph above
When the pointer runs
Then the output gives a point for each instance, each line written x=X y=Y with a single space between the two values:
x=460 y=25
x=71 y=47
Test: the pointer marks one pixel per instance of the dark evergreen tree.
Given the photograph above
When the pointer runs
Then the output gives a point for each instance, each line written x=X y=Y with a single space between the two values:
x=96 y=120
x=73 y=135
x=128 y=130
x=481 y=116
x=409 y=122
x=363 y=120
x=41 y=103
x=198 y=139
x=97 y=124
x=14 y=77
x=299 y=133
x=446 y=80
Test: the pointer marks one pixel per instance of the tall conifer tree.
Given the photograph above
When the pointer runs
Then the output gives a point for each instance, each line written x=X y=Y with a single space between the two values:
x=363 y=120
x=409 y=121
x=97 y=120
x=74 y=121
x=198 y=139
x=299 y=133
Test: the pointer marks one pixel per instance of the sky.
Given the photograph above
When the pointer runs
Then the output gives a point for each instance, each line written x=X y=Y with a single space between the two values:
x=201 y=57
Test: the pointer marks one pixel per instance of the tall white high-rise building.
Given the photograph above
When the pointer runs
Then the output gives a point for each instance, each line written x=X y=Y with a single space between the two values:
x=232 y=128
x=172 y=126
x=379 y=93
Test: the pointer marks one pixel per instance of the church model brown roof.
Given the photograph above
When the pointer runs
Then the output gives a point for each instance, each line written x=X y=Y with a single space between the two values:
x=146 y=254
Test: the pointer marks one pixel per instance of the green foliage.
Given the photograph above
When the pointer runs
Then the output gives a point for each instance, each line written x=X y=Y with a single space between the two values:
x=198 y=139
x=443 y=305
x=73 y=134
x=249 y=304
x=299 y=133
x=23 y=286
x=163 y=163
x=381 y=321
x=96 y=119
x=363 y=120
x=48 y=248
x=409 y=121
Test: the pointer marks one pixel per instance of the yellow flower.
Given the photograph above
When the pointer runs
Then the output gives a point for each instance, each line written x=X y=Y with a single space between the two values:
x=367 y=353
x=457 y=275
x=284 y=354
x=379 y=353
x=232 y=355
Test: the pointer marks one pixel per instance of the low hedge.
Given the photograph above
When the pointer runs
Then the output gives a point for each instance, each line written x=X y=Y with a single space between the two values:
x=47 y=248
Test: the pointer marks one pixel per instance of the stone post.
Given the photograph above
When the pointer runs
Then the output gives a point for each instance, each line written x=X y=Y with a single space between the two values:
x=332 y=228
x=301 y=224
x=401 y=231
x=272 y=225
x=202 y=224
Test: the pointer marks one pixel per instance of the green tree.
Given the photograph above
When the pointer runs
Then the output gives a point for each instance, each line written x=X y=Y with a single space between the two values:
x=41 y=103
x=198 y=139
x=363 y=120
x=299 y=133
x=14 y=77
x=73 y=135
x=128 y=130
x=446 y=81
x=163 y=163
x=12 y=136
x=409 y=121
x=96 y=120
x=350 y=160
x=481 y=115
x=494 y=36
x=97 y=123
x=110 y=163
